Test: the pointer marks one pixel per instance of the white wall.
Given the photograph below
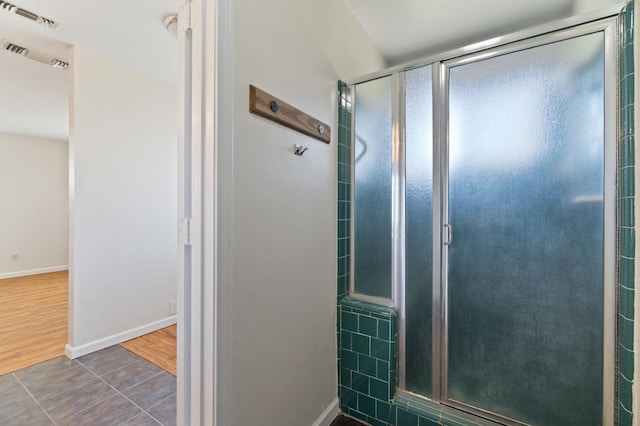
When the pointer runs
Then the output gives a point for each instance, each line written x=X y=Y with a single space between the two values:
x=34 y=189
x=123 y=138
x=279 y=357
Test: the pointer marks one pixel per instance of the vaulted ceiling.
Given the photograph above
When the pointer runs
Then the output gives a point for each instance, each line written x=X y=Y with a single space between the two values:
x=34 y=97
x=406 y=29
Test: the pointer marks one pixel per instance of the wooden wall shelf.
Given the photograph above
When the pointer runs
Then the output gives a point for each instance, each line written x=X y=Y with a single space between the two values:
x=268 y=106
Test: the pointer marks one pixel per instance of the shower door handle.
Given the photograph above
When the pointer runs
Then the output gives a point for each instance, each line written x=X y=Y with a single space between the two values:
x=448 y=234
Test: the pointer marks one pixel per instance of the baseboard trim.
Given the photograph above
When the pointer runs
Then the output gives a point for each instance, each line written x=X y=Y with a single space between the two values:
x=33 y=272
x=329 y=414
x=78 y=351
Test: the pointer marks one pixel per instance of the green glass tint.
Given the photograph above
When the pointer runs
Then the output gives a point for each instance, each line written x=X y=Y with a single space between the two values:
x=526 y=266
x=419 y=230
x=372 y=190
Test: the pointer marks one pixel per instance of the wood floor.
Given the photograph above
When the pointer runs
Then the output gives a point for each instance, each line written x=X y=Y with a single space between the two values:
x=33 y=325
x=33 y=319
x=158 y=347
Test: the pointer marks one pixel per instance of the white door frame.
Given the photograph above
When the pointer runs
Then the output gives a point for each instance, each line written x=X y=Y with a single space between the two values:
x=197 y=195
x=189 y=228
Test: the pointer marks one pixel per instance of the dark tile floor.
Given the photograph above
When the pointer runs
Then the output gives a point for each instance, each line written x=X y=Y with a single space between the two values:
x=109 y=387
x=345 y=421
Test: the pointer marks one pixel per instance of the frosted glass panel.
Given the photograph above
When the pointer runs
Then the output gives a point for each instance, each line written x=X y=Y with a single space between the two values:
x=372 y=190
x=526 y=206
x=418 y=230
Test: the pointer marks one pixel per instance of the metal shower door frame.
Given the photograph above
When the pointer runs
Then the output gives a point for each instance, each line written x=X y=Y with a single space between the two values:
x=606 y=20
x=441 y=129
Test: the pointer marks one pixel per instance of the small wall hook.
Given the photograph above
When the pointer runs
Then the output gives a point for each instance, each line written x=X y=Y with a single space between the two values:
x=299 y=149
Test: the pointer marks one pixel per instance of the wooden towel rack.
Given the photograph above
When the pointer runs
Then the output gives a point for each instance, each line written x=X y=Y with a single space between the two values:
x=268 y=106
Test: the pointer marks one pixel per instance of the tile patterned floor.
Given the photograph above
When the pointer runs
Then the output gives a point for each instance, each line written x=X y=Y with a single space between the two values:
x=109 y=387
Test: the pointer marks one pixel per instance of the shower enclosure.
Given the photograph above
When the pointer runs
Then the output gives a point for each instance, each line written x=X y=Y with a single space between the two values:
x=484 y=211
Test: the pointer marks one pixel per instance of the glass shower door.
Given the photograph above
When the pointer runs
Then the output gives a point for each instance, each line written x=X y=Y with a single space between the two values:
x=525 y=270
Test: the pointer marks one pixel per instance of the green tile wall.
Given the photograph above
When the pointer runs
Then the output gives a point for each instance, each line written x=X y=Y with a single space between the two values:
x=367 y=361
x=367 y=365
x=344 y=189
x=626 y=218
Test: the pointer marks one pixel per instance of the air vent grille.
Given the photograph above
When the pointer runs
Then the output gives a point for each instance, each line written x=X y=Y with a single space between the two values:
x=16 y=49
x=34 y=55
x=9 y=7
x=57 y=63
x=26 y=14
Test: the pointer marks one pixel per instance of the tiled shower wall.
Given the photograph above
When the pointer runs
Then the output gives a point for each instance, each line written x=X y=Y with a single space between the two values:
x=344 y=190
x=367 y=361
x=366 y=331
x=626 y=219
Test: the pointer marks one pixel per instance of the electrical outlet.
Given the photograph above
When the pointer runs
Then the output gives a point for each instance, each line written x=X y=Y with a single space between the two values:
x=172 y=307
x=15 y=257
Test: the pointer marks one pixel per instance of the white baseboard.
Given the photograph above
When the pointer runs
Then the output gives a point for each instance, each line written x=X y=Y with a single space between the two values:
x=77 y=351
x=329 y=414
x=33 y=272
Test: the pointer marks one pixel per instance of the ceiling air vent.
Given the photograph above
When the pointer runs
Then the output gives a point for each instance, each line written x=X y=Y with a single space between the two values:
x=32 y=54
x=16 y=49
x=49 y=23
